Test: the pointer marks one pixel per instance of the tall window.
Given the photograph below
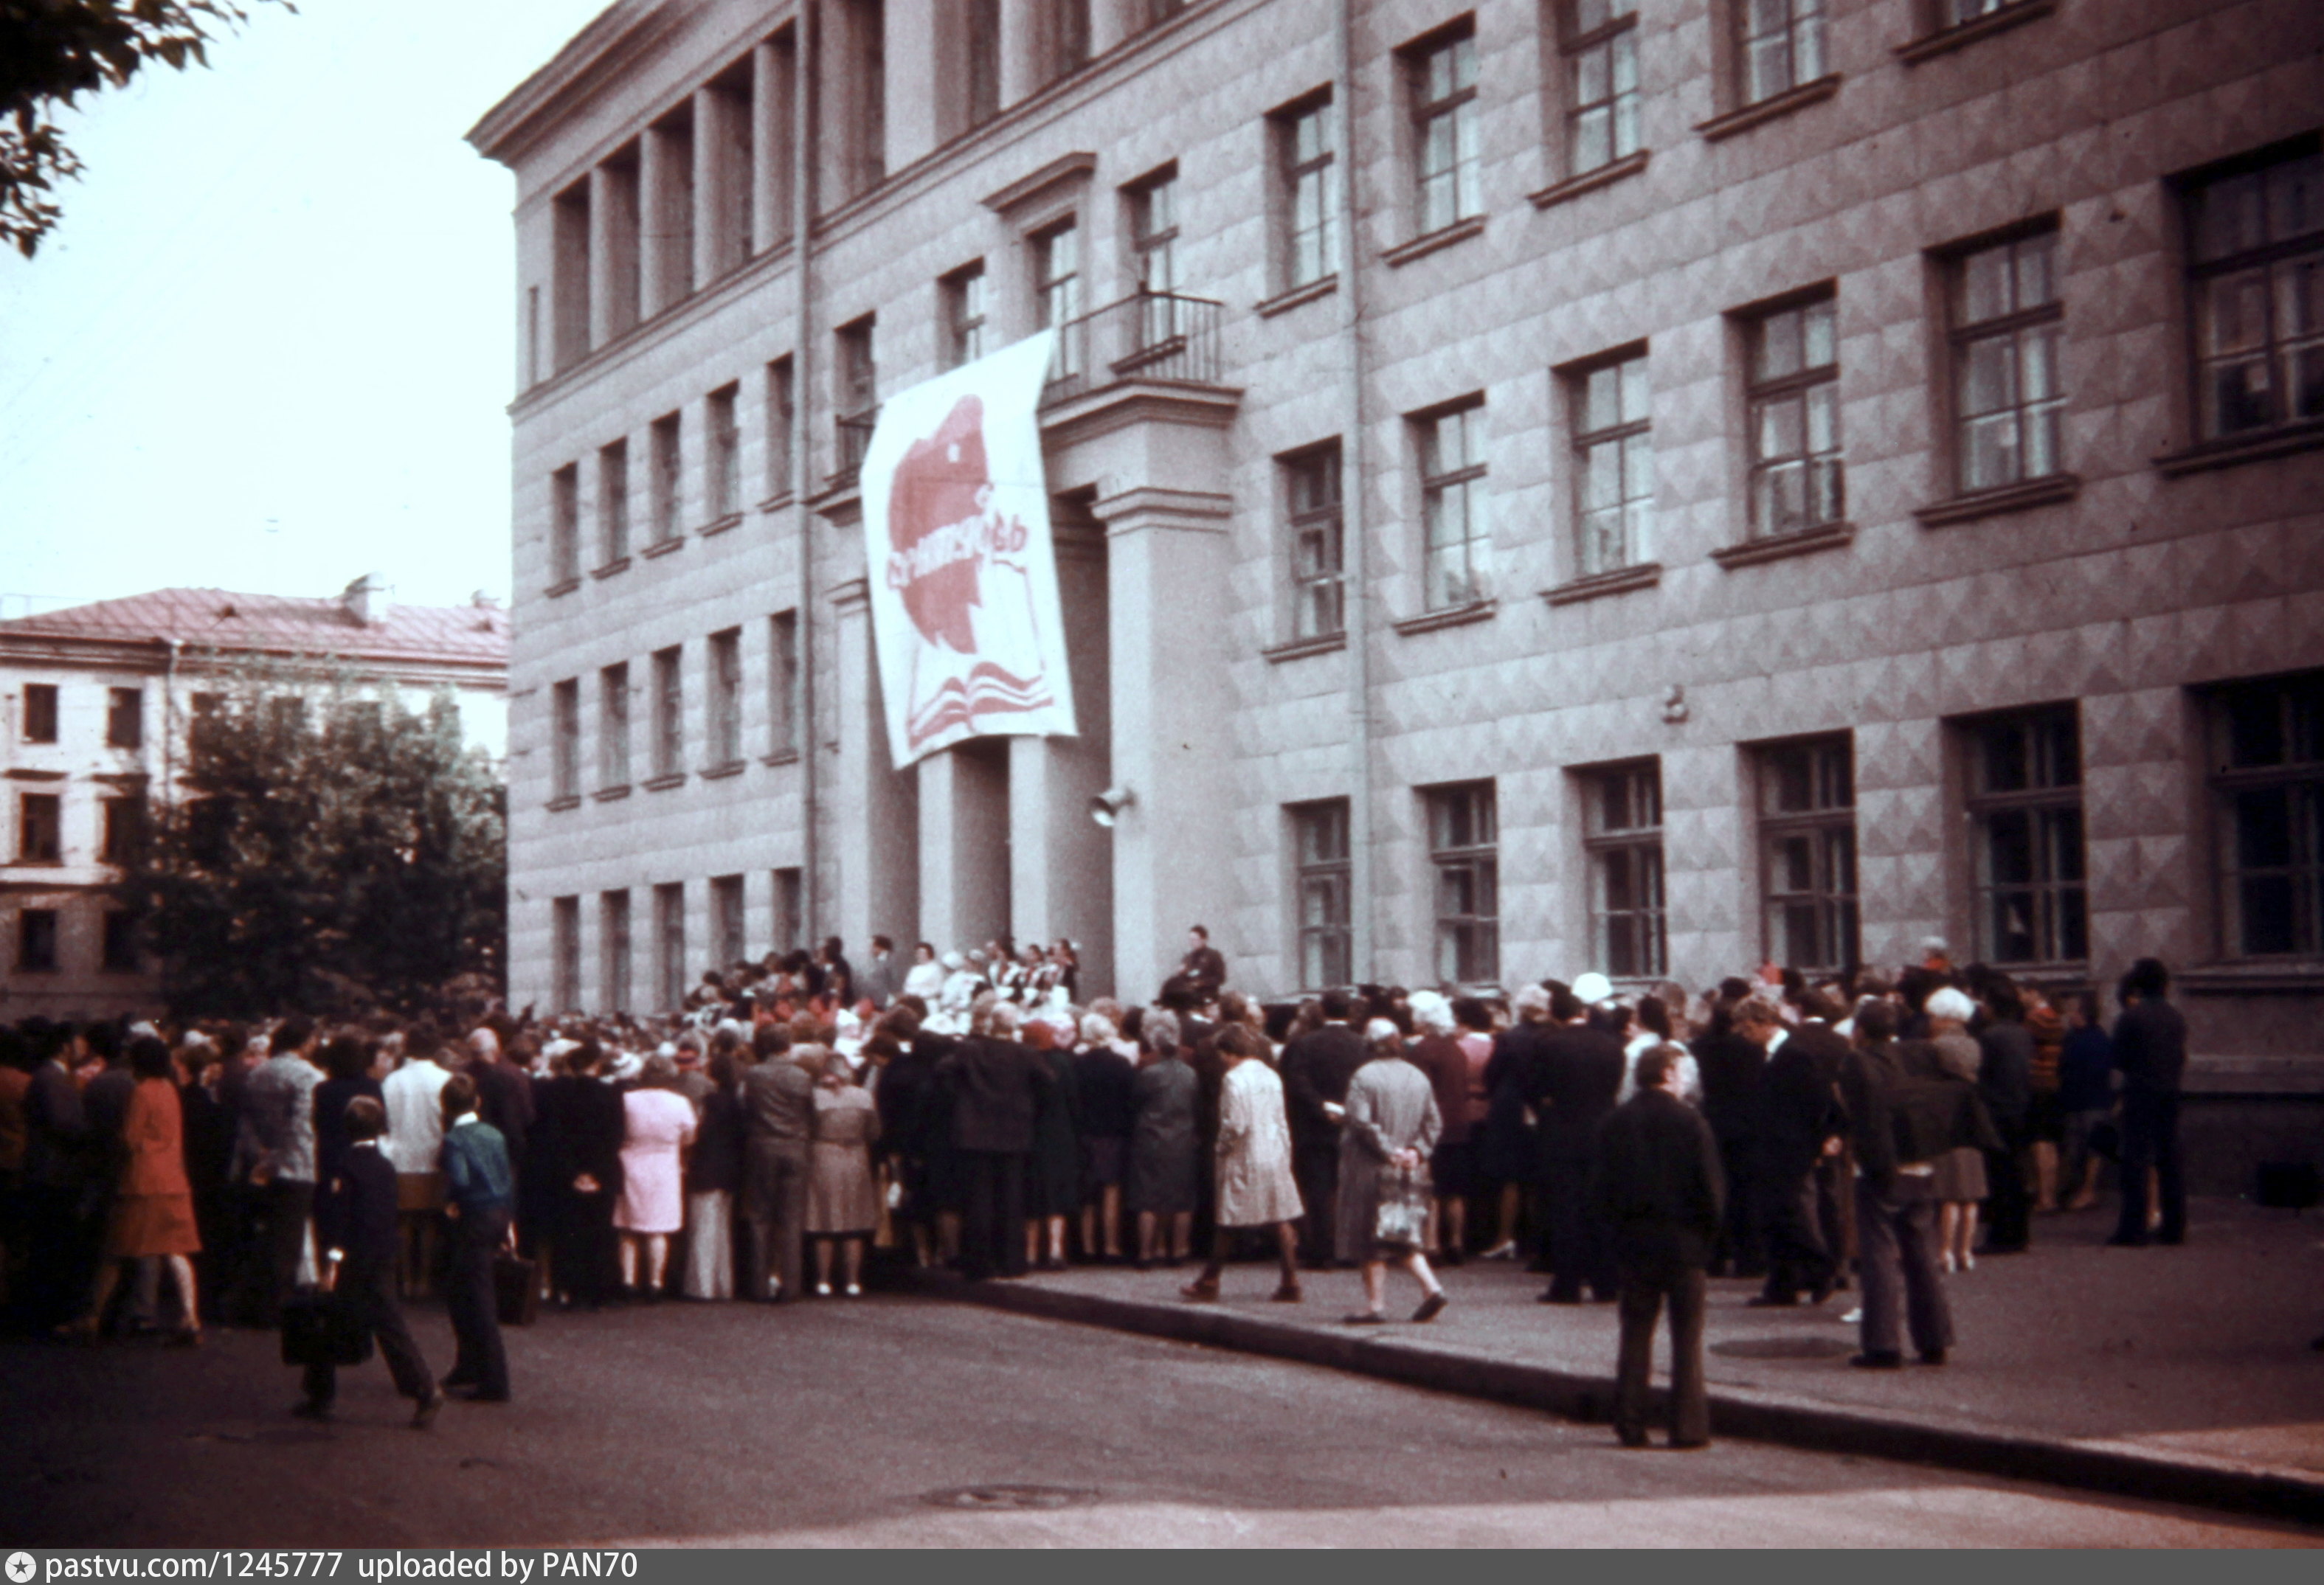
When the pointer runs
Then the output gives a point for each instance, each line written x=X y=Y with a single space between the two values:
x=1807 y=857
x=2267 y=783
x=669 y=946
x=124 y=718
x=1067 y=35
x=564 y=727
x=1601 y=82
x=668 y=478
x=2026 y=814
x=36 y=941
x=613 y=726
x=724 y=440
x=2256 y=244
x=119 y=946
x=40 y=724
x=782 y=683
x=1319 y=837
x=565 y=948
x=2006 y=338
x=669 y=711
x=1614 y=459
x=726 y=697
x=614 y=938
x=1457 y=549
x=1795 y=470
x=781 y=415
x=981 y=23
x=964 y=307
x=564 y=524
x=859 y=369
x=612 y=502
x=1782 y=45
x=1057 y=290
x=1623 y=835
x=1446 y=129
x=123 y=833
x=1154 y=247
x=1462 y=841
x=790 y=910
x=1311 y=488
x=1304 y=154
x=726 y=919
x=39 y=828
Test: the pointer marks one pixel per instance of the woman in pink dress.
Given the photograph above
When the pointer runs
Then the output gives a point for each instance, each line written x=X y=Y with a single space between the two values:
x=659 y=1126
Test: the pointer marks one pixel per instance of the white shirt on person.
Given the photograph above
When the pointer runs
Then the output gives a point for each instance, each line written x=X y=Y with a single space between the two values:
x=414 y=1095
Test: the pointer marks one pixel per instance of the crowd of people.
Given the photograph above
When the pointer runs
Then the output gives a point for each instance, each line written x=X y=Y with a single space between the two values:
x=798 y=1118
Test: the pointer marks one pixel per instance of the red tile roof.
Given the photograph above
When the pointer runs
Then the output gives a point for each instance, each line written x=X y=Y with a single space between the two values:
x=219 y=619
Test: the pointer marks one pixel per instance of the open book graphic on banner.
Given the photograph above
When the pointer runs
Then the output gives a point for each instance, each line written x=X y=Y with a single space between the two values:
x=964 y=575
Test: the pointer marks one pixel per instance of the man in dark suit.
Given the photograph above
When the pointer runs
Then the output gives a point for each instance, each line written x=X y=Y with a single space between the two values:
x=1578 y=1073
x=355 y=1226
x=2150 y=1051
x=57 y=1172
x=997 y=1085
x=1801 y=1123
x=1655 y=1180
x=1204 y=967
x=1316 y=1070
x=1732 y=1068
x=1903 y=1113
x=777 y=1124
x=2004 y=1078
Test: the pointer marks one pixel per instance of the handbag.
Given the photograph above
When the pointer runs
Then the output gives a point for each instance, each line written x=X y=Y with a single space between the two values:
x=319 y=1328
x=1402 y=1215
x=516 y=1289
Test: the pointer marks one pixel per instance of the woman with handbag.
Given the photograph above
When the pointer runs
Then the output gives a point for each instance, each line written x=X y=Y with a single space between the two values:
x=1390 y=1125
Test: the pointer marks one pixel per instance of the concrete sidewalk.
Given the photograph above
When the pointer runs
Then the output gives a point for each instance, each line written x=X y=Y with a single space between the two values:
x=2179 y=1374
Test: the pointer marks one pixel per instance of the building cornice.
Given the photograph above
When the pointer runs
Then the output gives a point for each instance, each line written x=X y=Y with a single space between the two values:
x=595 y=56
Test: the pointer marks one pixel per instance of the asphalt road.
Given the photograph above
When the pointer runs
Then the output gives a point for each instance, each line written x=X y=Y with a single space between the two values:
x=894 y=1421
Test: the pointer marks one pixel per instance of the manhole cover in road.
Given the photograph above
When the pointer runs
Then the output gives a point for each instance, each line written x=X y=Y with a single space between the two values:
x=993 y=1498
x=1784 y=1348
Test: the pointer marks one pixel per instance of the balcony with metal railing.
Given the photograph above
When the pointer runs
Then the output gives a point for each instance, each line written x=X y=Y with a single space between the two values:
x=1157 y=335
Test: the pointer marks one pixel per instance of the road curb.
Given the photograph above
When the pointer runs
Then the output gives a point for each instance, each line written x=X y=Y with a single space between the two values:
x=2116 y=1470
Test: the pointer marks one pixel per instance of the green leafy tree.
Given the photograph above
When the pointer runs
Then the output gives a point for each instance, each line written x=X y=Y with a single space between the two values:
x=338 y=852
x=51 y=51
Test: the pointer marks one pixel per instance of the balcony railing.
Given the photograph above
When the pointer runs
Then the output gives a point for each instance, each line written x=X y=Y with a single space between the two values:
x=1152 y=336
x=853 y=433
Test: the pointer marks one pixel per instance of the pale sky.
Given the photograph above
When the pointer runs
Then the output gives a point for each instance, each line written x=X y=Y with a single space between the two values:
x=269 y=347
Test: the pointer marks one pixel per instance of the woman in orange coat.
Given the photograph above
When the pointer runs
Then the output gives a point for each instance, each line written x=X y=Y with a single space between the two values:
x=153 y=1213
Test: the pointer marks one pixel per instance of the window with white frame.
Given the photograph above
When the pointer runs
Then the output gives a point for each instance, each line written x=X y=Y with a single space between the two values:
x=669 y=711
x=1782 y=45
x=614 y=942
x=726 y=697
x=1797 y=481
x=1600 y=41
x=565 y=728
x=1057 y=293
x=1456 y=533
x=1447 y=128
x=1464 y=838
x=963 y=310
x=1304 y=155
x=2024 y=804
x=1154 y=249
x=613 y=725
x=725 y=440
x=2006 y=334
x=614 y=503
x=1622 y=836
x=1320 y=853
x=2267 y=788
x=1807 y=853
x=1614 y=462
x=2256 y=252
x=1311 y=489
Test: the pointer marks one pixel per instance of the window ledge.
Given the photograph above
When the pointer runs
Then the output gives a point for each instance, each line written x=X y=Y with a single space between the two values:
x=1282 y=302
x=2227 y=454
x=1954 y=38
x=558 y=806
x=777 y=502
x=663 y=546
x=30 y=863
x=23 y=773
x=780 y=757
x=1300 y=649
x=719 y=772
x=606 y=794
x=1768 y=110
x=665 y=781
x=732 y=520
x=562 y=586
x=619 y=564
x=2250 y=979
x=1420 y=247
x=1430 y=621
x=1778 y=546
x=1590 y=181
x=2009 y=498
x=1620 y=581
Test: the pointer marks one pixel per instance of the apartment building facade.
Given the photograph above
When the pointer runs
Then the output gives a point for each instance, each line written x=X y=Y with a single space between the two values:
x=1649 y=485
x=95 y=702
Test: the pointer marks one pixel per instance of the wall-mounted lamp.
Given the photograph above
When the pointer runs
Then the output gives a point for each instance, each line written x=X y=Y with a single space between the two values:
x=1674 y=704
x=1109 y=804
